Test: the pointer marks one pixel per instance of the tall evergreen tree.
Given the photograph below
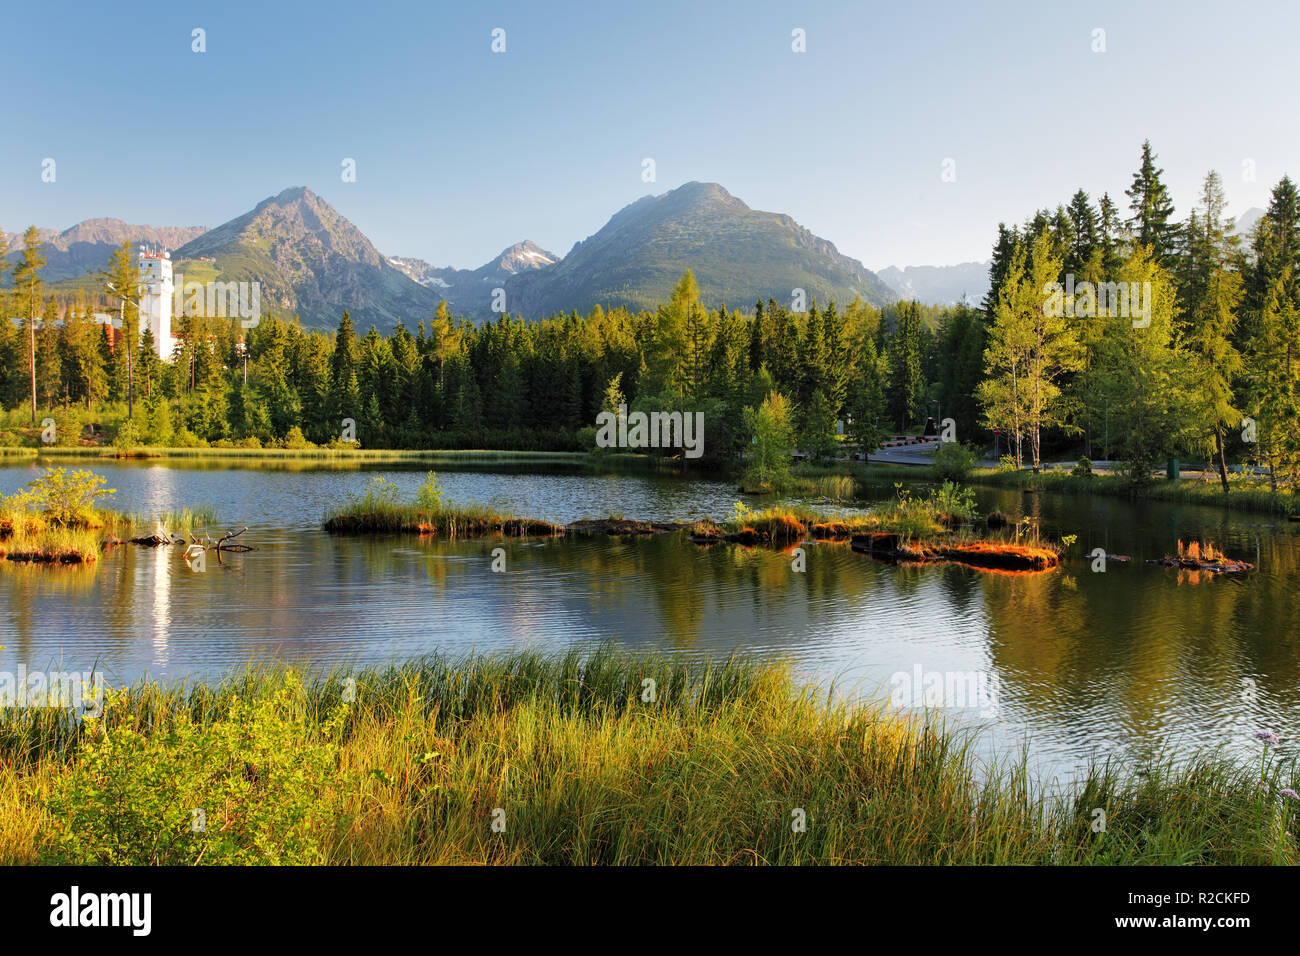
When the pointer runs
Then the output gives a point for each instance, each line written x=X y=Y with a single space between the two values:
x=1152 y=223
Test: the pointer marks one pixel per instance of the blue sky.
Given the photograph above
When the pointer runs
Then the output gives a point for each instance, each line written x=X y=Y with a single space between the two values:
x=461 y=152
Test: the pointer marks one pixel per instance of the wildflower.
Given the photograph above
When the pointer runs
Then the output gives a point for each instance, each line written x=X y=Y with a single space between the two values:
x=1267 y=736
x=1288 y=792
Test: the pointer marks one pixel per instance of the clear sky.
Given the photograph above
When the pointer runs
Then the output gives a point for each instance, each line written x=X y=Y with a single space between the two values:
x=461 y=151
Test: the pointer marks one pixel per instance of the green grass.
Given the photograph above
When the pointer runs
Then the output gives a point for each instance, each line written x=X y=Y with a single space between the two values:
x=383 y=510
x=255 y=455
x=567 y=753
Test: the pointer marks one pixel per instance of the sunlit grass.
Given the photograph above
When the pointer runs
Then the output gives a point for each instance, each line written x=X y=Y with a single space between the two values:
x=723 y=762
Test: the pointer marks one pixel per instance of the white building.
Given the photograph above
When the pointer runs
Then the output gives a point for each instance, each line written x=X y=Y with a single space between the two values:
x=155 y=291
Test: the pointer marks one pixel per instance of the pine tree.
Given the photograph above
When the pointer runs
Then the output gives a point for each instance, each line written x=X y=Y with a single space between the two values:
x=1083 y=229
x=1272 y=335
x=905 y=380
x=28 y=294
x=1152 y=223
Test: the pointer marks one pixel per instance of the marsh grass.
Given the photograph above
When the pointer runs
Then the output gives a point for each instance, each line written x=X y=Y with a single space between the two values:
x=584 y=769
x=382 y=509
x=322 y=454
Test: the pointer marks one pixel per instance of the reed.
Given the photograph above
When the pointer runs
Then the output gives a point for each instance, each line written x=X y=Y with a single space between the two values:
x=579 y=765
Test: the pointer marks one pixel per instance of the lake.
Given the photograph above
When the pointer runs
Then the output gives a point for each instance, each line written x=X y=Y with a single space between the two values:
x=1085 y=664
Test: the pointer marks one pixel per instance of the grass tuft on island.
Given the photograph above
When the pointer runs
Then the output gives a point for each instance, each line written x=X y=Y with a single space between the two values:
x=933 y=528
x=57 y=519
x=528 y=758
x=382 y=510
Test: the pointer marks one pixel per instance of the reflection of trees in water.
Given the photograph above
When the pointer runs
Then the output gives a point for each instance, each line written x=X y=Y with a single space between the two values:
x=26 y=586
x=1134 y=640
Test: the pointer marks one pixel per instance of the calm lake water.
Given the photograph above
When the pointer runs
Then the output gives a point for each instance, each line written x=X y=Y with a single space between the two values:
x=1087 y=664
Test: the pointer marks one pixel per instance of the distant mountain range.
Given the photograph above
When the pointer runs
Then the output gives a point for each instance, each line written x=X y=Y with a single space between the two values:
x=472 y=288
x=948 y=285
x=88 y=245
x=939 y=285
x=313 y=261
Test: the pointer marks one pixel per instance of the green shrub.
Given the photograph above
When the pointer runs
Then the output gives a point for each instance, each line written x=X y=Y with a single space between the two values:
x=952 y=461
x=295 y=439
x=251 y=787
x=1083 y=469
x=951 y=500
x=128 y=435
x=66 y=499
x=428 y=497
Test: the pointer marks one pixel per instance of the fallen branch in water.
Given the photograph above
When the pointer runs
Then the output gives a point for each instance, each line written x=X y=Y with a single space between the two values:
x=207 y=544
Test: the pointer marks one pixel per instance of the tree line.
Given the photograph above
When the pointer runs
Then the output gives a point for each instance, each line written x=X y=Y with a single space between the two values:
x=1210 y=370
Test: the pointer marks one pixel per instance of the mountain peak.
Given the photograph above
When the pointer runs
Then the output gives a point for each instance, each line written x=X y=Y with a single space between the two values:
x=738 y=254
x=292 y=194
x=524 y=255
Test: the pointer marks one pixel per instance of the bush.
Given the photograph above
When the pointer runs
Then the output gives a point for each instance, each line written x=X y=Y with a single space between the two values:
x=184 y=438
x=428 y=497
x=128 y=435
x=66 y=499
x=953 y=461
x=294 y=438
x=251 y=787
x=67 y=428
x=953 y=502
x=1083 y=469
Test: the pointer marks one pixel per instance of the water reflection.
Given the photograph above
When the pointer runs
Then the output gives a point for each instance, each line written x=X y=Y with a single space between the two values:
x=1089 y=664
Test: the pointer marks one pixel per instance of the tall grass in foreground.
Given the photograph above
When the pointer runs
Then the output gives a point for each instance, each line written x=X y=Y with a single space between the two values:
x=575 y=762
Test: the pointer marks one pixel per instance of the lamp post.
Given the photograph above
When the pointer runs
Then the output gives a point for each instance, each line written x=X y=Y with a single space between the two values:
x=130 y=380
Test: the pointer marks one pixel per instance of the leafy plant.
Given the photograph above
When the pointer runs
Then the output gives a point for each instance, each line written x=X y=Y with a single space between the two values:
x=251 y=787
x=951 y=500
x=428 y=497
x=65 y=499
x=128 y=435
x=953 y=461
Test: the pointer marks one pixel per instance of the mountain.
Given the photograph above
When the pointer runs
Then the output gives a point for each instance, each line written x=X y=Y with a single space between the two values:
x=1246 y=222
x=87 y=246
x=738 y=255
x=939 y=285
x=470 y=290
x=310 y=260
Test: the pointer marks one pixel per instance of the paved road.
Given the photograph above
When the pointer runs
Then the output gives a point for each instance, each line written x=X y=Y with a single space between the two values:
x=920 y=455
